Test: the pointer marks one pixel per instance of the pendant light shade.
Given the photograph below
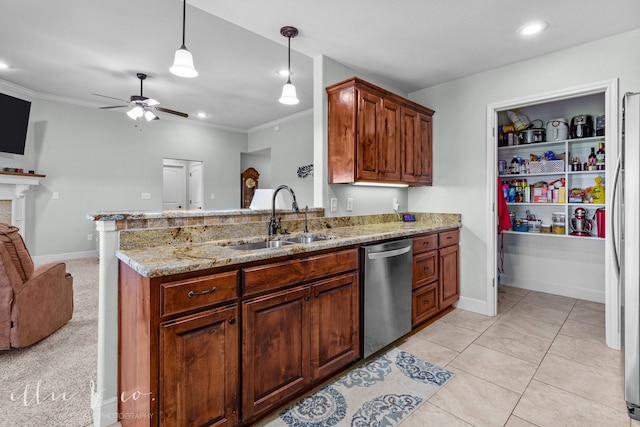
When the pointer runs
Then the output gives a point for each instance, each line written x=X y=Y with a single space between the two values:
x=289 y=90
x=183 y=60
x=183 y=64
x=289 y=94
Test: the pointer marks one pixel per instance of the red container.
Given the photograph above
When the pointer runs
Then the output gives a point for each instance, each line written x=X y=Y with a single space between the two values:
x=600 y=222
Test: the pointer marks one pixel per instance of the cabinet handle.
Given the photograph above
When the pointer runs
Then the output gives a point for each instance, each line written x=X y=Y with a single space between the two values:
x=318 y=295
x=192 y=294
x=307 y=298
x=232 y=321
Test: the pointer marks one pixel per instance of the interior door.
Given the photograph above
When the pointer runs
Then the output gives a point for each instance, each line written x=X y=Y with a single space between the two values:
x=174 y=178
x=196 y=198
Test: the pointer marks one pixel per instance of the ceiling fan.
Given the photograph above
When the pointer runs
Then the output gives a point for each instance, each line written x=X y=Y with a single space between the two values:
x=141 y=106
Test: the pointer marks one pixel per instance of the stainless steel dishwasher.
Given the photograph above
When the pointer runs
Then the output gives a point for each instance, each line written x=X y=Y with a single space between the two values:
x=387 y=293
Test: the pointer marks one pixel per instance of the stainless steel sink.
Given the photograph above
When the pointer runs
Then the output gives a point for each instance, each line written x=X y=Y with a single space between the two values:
x=306 y=239
x=261 y=245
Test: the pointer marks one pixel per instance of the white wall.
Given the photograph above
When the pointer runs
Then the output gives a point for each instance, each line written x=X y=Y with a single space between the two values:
x=366 y=200
x=459 y=134
x=99 y=160
x=291 y=144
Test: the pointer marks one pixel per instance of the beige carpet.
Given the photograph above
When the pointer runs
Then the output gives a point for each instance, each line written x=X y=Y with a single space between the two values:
x=49 y=384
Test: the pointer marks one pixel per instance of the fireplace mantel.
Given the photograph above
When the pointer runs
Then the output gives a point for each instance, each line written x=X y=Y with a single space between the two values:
x=13 y=186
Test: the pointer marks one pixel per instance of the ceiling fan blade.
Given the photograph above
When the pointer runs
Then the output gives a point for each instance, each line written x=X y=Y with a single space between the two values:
x=113 y=106
x=177 y=113
x=110 y=97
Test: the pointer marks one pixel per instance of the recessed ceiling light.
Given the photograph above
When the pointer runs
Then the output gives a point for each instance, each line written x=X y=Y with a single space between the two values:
x=202 y=115
x=4 y=66
x=533 y=28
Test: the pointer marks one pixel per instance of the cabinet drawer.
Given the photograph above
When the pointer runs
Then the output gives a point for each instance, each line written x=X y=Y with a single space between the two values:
x=190 y=294
x=273 y=276
x=424 y=303
x=425 y=243
x=448 y=238
x=425 y=268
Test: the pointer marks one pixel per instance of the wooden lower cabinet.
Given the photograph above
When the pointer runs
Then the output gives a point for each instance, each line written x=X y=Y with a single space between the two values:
x=436 y=283
x=448 y=276
x=295 y=338
x=335 y=316
x=424 y=303
x=199 y=369
x=275 y=348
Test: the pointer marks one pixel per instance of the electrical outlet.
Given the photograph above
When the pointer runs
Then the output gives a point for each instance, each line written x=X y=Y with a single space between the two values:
x=334 y=204
x=146 y=195
x=394 y=203
x=349 y=204
x=89 y=236
x=56 y=195
x=213 y=196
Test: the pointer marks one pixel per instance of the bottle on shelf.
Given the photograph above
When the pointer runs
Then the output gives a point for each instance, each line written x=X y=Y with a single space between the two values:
x=515 y=166
x=600 y=156
x=592 y=161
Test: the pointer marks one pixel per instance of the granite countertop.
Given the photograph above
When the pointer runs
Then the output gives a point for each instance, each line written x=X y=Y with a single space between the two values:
x=169 y=259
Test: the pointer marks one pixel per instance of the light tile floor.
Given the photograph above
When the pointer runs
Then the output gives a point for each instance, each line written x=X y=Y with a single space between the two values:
x=542 y=362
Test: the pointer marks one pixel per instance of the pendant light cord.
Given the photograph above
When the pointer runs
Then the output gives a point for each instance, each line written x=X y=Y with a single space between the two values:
x=184 y=20
x=289 y=62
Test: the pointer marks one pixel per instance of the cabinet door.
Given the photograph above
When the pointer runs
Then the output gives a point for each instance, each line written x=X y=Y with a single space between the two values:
x=423 y=156
x=367 y=146
x=424 y=303
x=409 y=141
x=275 y=348
x=335 y=324
x=389 y=142
x=425 y=268
x=448 y=278
x=199 y=369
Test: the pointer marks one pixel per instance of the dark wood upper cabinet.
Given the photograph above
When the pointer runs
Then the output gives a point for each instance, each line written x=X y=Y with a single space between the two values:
x=377 y=136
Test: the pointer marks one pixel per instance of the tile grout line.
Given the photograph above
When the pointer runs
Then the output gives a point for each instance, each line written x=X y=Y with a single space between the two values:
x=538 y=367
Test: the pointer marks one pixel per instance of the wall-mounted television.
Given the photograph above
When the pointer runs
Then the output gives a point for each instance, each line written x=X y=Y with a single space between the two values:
x=14 y=120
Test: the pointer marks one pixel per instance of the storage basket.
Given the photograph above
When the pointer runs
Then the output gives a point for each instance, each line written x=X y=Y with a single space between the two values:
x=521 y=225
x=554 y=166
x=546 y=166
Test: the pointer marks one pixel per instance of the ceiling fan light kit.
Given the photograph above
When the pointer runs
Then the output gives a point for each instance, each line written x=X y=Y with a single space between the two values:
x=136 y=112
x=141 y=106
x=183 y=60
x=289 y=90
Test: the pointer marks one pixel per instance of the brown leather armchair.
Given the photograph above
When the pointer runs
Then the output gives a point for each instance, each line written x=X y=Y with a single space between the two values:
x=34 y=302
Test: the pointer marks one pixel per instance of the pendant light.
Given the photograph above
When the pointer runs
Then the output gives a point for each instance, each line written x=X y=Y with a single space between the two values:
x=183 y=60
x=289 y=90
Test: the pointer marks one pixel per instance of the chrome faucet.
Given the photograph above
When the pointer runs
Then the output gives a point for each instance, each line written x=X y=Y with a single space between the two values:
x=273 y=224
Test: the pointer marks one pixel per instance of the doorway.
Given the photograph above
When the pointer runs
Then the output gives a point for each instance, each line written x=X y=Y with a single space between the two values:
x=611 y=289
x=182 y=184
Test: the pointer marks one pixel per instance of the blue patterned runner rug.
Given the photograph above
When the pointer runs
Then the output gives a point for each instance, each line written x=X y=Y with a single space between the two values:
x=381 y=392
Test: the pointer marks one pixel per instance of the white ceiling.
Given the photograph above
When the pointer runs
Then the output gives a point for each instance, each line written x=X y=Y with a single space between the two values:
x=71 y=49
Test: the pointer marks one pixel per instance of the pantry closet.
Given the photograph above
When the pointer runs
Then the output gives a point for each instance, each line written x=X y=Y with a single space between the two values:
x=555 y=245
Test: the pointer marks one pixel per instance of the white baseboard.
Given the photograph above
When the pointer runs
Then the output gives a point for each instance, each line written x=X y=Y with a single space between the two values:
x=41 y=259
x=105 y=413
x=471 y=304
x=554 y=288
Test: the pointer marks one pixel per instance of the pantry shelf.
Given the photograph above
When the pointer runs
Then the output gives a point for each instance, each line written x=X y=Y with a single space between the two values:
x=558 y=176
x=544 y=235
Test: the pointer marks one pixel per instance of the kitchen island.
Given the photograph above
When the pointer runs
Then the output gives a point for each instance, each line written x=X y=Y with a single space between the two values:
x=209 y=334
